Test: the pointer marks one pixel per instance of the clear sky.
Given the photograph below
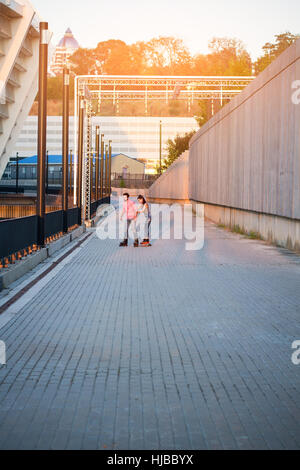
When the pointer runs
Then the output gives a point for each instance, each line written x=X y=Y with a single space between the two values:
x=255 y=22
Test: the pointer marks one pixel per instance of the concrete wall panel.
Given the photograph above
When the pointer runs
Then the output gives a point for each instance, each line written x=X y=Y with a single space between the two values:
x=247 y=156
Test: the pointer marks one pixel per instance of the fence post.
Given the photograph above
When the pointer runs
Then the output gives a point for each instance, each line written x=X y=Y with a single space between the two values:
x=42 y=131
x=66 y=83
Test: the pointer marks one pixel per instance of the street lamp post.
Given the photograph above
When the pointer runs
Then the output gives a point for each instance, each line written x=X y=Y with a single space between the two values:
x=102 y=167
x=17 y=172
x=97 y=161
x=71 y=173
x=109 y=168
x=80 y=157
x=47 y=171
x=160 y=145
x=66 y=84
x=91 y=163
x=106 y=169
x=42 y=131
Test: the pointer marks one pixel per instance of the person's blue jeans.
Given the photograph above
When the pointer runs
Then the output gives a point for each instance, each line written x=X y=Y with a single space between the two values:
x=127 y=224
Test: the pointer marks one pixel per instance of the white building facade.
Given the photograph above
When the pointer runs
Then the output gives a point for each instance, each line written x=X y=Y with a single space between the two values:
x=19 y=49
x=137 y=137
x=63 y=51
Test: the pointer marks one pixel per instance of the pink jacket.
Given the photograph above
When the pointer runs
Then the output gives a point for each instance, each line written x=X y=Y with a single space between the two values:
x=129 y=209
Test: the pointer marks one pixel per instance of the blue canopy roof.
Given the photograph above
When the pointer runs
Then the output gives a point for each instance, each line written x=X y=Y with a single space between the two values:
x=53 y=159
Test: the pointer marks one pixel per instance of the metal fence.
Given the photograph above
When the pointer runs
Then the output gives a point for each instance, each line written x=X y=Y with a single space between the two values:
x=137 y=181
x=17 y=234
x=21 y=234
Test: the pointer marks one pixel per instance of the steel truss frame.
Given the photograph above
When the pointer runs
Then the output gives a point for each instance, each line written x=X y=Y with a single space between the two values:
x=118 y=88
x=87 y=158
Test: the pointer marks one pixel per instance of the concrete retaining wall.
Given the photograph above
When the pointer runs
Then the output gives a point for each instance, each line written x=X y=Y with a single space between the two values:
x=245 y=162
x=274 y=229
x=174 y=183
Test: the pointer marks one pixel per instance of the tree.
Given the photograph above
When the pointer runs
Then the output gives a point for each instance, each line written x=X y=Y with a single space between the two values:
x=228 y=56
x=83 y=62
x=272 y=51
x=203 y=115
x=176 y=147
x=115 y=57
x=164 y=55
x=167 y=55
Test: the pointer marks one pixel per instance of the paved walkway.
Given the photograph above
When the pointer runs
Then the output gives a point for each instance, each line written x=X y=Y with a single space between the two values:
x=157 y=348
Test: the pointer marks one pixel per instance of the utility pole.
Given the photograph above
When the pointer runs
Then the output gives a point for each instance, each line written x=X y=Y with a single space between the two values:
x=42 y=131
x=66 y=86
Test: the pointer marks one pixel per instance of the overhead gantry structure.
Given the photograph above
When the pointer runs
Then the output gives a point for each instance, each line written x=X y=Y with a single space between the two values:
x=116 y=88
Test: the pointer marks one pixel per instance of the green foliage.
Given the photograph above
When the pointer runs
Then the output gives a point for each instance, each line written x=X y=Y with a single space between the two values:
x=272 y=51
x=176 y=147
x=202 y=113
x=238 y=229
x=168 y=56
x=122 y=183
x=254 y=235
x=228 y=57
x=241 y=231
x=164 y=55
x=55 y=88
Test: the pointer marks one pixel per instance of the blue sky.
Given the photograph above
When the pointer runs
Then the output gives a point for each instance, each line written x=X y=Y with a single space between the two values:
x=255 y=22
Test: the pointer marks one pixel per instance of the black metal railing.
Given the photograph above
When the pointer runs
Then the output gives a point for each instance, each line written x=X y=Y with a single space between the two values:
x=96 y=204
x=19 y=234
x=53 y=223
x=73 y=216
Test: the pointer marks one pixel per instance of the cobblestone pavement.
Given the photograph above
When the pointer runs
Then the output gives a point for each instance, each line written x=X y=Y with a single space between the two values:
x=157 y=348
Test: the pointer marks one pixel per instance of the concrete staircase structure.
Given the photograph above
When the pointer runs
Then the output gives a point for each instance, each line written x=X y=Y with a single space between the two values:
x=19 y=50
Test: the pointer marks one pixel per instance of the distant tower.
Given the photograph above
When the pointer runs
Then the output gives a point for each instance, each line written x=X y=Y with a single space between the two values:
x=65 y=48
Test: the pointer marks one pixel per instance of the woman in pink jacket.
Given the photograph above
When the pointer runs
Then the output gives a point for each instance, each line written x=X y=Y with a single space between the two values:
x=129 y=214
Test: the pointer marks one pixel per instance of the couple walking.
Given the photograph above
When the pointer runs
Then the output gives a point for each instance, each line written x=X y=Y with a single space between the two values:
x=130 y=213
